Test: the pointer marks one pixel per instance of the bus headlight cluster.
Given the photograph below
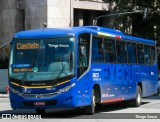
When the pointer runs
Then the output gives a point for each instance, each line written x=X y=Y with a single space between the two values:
x=14 y=91
x=65 y=89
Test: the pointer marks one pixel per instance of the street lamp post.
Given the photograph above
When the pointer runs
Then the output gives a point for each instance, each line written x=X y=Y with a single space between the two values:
x=115 y=14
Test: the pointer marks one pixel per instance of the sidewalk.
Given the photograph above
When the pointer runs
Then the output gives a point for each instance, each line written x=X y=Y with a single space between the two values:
x=4 y=95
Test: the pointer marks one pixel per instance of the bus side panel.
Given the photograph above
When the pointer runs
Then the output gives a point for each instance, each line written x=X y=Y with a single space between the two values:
x=149 y=79
x=105 y=75
x=125 y=76
x=84 y=90
x=118 y=81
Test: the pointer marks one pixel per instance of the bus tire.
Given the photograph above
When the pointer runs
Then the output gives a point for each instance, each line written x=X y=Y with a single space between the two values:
x=157 y=93
x=91 y=109
x=137 y=101
x=40 y=111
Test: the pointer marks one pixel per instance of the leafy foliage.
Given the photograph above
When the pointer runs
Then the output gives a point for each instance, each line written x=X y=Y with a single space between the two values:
x=145 y=24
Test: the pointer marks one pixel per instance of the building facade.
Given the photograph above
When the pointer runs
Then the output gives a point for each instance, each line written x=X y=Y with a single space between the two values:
x=18 y=15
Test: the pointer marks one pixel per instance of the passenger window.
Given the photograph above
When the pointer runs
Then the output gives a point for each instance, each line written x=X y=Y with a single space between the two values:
x=140 y=53
x=131 y=49
x=97 y=49
x=147 y=54
x=153 y=55
x=121 y=52
x=109 y=50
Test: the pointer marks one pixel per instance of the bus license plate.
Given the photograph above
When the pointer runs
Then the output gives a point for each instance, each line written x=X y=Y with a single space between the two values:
x=39 y=103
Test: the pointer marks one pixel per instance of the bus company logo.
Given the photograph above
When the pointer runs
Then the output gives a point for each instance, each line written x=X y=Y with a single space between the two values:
x=96 y=77
x=38 y=96
x=26 y=90
x=20 y=65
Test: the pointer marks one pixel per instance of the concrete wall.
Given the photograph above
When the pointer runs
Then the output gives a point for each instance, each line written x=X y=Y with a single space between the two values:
x=87 y=10
x=56 y=13
x=8 y=17
x=35 y=13
x=91 y=5
x=3 y=80
x=59 y=13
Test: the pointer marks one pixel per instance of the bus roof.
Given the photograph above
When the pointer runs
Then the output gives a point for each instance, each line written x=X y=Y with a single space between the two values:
x=60 y=32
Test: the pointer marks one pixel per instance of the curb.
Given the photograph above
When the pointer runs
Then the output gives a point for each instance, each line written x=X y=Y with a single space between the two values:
x=4 y=95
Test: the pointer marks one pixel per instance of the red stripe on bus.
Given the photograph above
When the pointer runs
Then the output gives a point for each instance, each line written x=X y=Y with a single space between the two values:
x=112 y=100
x=118 y=37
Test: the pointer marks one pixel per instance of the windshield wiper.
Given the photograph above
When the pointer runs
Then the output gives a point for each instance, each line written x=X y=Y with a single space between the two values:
x=60 y=73
x=26 y=73
x=69 y=61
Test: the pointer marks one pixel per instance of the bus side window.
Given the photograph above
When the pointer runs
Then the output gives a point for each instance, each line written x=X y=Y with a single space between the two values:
x=140 y=53
x=109 y=50
x=83 y=53
x=121 y=52
x=153 y=55
x=82 y=56
x=97 y=49
x=131 y=49
x=147 y=54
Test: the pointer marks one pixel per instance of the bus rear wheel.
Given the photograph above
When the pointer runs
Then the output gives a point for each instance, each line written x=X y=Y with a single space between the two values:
x=40 y=111
x=91 y=109
x=137 y=101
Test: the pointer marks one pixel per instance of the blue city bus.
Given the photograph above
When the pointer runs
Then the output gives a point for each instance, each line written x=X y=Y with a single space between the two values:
x=80 y=67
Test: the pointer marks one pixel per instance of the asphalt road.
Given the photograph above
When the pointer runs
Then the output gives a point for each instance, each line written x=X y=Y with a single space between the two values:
x=150 y=109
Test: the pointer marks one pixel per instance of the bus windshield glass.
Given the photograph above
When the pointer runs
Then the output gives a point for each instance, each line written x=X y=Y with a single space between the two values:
x=42 y=59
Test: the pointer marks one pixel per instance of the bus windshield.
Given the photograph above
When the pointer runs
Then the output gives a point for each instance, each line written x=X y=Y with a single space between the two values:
x=42 y=59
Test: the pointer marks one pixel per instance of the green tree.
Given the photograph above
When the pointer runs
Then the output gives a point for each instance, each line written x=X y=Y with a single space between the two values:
x=145 y=24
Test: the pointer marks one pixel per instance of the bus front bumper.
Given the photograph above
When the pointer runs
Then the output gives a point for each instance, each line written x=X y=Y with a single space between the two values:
x=43 y=101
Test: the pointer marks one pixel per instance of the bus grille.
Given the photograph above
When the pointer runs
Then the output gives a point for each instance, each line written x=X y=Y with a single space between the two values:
x=38 y=95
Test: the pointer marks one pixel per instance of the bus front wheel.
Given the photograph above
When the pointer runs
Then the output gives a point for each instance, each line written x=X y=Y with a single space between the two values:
x=40 y=111
x=137 y=101
x=91 y=109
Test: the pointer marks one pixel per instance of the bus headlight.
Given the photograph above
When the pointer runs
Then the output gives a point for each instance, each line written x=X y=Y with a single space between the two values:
x=65 y=89
x=14 y=91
